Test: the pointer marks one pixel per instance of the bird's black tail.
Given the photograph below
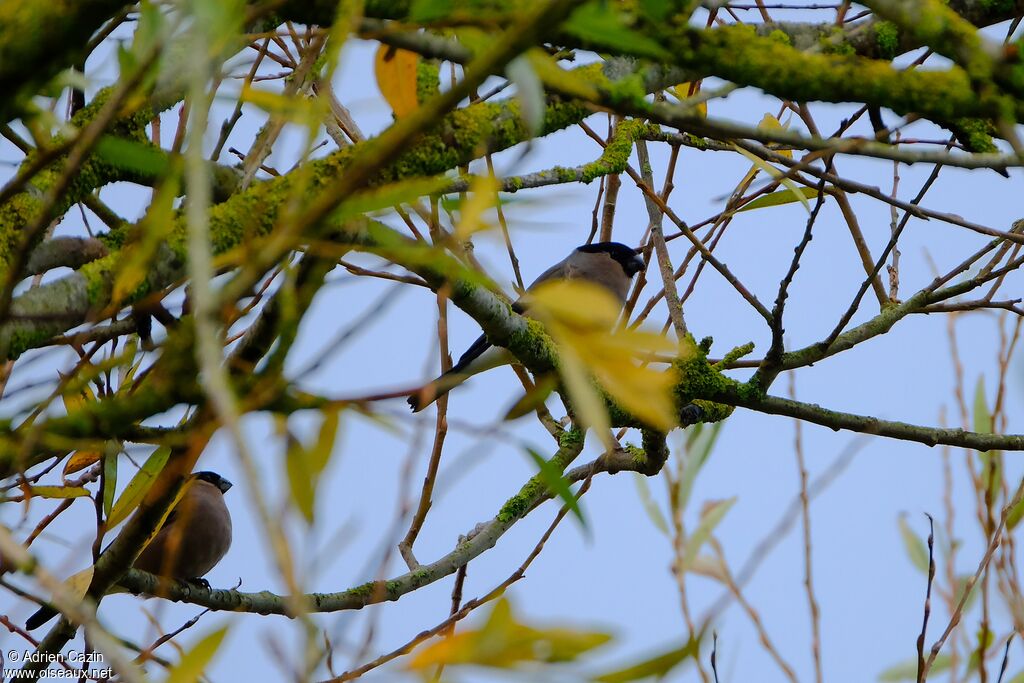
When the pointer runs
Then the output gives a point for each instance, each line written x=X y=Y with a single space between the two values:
x=436 y=389
x=40 y=617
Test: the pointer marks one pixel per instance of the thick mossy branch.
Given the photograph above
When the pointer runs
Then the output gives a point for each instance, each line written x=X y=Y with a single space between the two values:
x=936 y=25
x=459 y=138
x=22 y=209
x=615 y=156
x=738 y=54
x=40 y=38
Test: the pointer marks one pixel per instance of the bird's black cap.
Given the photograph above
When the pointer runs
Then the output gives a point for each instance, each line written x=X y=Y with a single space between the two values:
x=627 y=257
x=215 y=479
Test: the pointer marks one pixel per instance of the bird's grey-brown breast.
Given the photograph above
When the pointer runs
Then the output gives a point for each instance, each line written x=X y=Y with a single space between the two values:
x=195 y=540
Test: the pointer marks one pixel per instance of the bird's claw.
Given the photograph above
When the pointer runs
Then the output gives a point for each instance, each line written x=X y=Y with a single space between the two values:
x=200 y=582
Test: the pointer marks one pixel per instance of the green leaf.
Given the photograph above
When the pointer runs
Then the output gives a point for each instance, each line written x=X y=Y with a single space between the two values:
x=659 y=665
x=601 y=23
x=192 y=664
x=1015 y=513
x=109 y=478
x=961 y=585
x=148 y=30
x=138 y=487
x=388 y=196
x=655 y=10
x=779 y=198
x=138 y=157
x=991 y=461
x=713 y=514
x=700 y=442
x=776 y=174
x=300 y=479
x=534 y=398
x=915 y=547
x=429 y=10
x=650 y=505
x=305 y=465
x=557 y=484
x=982 y=416
x=529 y=92
x=907 y=671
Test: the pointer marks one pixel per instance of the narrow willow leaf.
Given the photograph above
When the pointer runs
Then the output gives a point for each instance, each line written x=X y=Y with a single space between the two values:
x=912 y=543
x=776 y=174
x=190 y=667
x=907 y=671
x=296 y=109
x=684 y=91
x=109 y=479
x=395 y=70
x=429 y=10
x=770 y=123
x=304 y=465
x=779 y=198
x=992 y=471
x=529 y=92
x=650 y=505
x=504 y=643
x=580 y=317
x=300 y=479
x=657 y=666
x=58 y=491
x=129 y=155
x=713 y=515
x=697 y=453
x=483 y=196
x=135 y=259
x=390 y=195
x=602 y=23
x=711 y=567
x=138 y=487
x=534 y=398
x=79 y=460
x=557 y=484
x=1016 y=512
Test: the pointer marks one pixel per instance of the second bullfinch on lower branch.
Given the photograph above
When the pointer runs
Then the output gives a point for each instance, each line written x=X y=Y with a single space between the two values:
x=608 y=264
x=193 y=539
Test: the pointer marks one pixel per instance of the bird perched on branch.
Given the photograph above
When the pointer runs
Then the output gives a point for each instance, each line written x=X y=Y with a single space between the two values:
x=609 y=264
x=193 y=539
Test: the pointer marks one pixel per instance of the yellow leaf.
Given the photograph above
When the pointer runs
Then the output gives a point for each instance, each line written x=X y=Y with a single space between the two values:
x=58 y=491
x=684 y=91
x=581 y=316
x=502 y=642
x=73 y=400
x=576 y=303
x=769 y=122
x=395 y=70
x=775 y=173
x=483 y=196
x=293 y=108
x=79 y=460
x=77 y=585
x=192 y=664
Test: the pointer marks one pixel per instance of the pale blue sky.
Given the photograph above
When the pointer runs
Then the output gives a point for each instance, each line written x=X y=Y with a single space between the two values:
x=618 y=578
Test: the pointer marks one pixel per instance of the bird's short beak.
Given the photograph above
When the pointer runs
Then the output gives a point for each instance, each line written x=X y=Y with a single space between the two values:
x=225 y=485
x=639 y=262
